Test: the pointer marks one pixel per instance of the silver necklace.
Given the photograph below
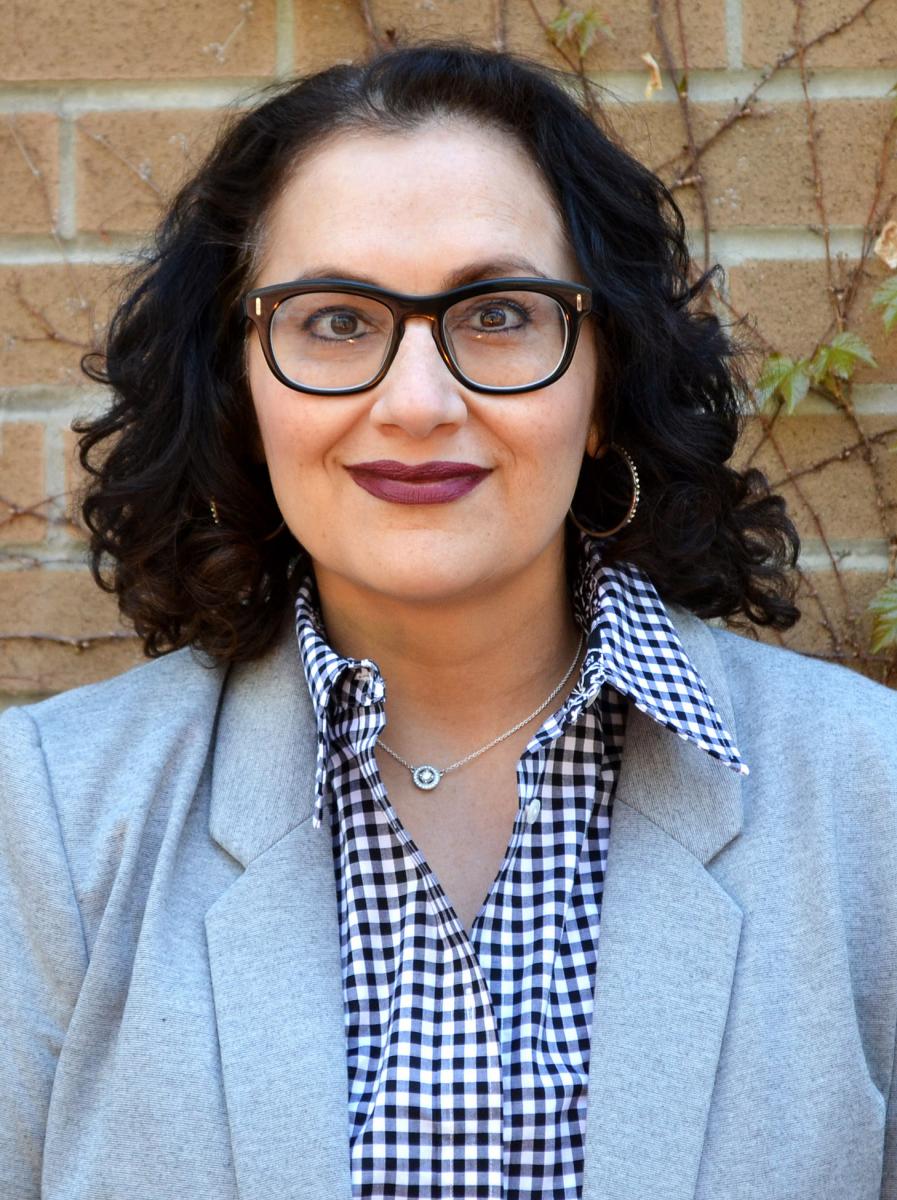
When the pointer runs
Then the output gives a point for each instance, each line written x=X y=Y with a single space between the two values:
x=426 y=776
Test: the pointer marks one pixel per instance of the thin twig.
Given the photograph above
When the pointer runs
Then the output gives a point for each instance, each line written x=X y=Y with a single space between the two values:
x=83 y=642
x=812 y=140
x=685 y=112
x=142 y=171
x=842 y=456
x=744 y=108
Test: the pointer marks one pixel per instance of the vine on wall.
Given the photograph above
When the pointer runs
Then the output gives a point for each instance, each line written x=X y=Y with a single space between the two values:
x=825 y=370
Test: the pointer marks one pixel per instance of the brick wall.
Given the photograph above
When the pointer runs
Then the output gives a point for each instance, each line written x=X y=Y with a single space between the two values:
x=105 y=106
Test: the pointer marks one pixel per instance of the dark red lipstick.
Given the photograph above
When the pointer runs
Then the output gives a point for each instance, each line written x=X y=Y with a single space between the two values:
x=417 y=483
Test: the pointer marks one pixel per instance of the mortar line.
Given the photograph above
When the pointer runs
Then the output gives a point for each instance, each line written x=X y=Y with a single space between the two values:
x=863 y=562
x=285 y=26
x=67 y=218
x=41 y=554
x=36 y=402
x=734 y=34
x=734 y=245
x=705 y=85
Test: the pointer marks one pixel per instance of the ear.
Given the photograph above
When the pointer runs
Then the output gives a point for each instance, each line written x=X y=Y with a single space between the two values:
x=593 y=441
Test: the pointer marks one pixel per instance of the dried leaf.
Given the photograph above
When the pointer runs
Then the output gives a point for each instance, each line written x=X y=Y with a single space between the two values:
x=886 y=244
x=883 y=607
x=886 y=298
x=578 y=26
x=655 y=83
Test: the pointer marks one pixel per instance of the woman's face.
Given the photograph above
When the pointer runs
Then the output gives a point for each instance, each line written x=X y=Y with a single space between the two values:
x=417 y=212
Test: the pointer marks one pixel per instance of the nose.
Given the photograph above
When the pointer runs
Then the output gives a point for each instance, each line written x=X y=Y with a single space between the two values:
x=419 y=394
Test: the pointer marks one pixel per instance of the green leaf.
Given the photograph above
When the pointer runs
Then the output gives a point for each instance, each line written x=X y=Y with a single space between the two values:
x=883 y=607
x=782 y=379
x=578 y=26
x=840 y=357
x=886 y=298
x=776 y=368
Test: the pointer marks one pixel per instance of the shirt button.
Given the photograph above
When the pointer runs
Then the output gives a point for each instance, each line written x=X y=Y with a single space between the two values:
x=532 y=811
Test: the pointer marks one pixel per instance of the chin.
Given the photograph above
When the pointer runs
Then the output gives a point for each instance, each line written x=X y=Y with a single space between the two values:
x=427 y=583
x=423 y=571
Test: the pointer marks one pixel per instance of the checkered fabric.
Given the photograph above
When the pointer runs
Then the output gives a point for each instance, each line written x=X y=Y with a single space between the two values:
x=468 y=1056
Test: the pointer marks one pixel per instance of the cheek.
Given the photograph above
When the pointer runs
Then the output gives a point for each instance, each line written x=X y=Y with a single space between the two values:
x=288 y=424
x=276 y=409
x=568 y=420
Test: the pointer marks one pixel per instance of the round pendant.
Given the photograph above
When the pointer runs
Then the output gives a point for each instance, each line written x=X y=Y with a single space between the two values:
x=426 y=777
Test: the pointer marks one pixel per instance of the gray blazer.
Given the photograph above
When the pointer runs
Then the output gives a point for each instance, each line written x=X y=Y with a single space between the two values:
x=171 y=1000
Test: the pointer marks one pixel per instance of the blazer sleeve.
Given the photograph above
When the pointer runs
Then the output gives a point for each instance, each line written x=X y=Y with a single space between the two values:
x=43 y=954
x=889 y=1169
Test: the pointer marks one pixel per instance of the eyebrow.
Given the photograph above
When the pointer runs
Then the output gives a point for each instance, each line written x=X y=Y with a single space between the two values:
x=471 y=273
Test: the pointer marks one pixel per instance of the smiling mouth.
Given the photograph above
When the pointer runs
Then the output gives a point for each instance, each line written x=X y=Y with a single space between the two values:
x=435 y=482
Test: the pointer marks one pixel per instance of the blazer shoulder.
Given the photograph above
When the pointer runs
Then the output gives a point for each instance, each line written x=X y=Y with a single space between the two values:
x=784 y=673
x=105 y=743
x=117 y=761
x=161 y=694
x=818 y=715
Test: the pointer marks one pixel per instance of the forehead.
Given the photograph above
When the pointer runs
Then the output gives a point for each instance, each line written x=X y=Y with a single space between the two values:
x=412 y=208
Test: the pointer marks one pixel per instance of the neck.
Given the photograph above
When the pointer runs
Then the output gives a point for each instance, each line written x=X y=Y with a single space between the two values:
x=456 y=669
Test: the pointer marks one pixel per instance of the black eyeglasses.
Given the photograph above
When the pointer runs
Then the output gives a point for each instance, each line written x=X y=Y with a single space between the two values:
x=332 y=337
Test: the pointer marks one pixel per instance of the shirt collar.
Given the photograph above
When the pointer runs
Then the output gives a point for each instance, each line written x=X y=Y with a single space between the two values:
x=632 y=645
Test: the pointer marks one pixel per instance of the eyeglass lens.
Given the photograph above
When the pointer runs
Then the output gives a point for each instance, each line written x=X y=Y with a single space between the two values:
x=502 y=339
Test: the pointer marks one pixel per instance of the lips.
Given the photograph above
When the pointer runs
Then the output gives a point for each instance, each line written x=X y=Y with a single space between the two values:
x=436 y=482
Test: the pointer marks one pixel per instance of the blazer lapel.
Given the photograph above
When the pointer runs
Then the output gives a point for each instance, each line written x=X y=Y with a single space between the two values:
x=273 y=940
x=666 y=957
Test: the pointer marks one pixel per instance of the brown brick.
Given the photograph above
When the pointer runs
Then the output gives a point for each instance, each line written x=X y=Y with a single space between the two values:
x=759 y=172
x=50 y=315
x=75 y=480
x=789 y=301
x=330 y=31
x=327 y=32
x=130 y=163
x=21 y=482
x=840 y=494
x=838 y=603
x=58 y=603
x=870 y=41
x=138 y=39
x=29 y=152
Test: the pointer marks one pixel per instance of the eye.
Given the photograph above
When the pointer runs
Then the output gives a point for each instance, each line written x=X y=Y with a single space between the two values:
x=498 y=314
x=489 y=315
x=497 y=317
x=335 y=324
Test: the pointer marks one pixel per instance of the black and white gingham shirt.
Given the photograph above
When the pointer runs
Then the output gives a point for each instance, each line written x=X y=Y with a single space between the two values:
x=468 y=1056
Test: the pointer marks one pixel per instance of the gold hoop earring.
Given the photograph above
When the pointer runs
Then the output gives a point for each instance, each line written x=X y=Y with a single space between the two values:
x=269 y=537
x=633 y=506
x=213 y=509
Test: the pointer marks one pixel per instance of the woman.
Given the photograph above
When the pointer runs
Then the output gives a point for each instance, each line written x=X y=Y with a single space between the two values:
x=416 y=436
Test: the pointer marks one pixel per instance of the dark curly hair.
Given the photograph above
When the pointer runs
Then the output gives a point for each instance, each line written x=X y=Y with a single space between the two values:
x=181 y=428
